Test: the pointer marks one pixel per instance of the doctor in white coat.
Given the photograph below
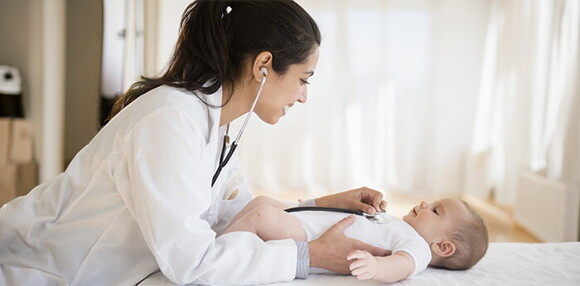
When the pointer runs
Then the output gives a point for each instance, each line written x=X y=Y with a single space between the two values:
x=139 y=197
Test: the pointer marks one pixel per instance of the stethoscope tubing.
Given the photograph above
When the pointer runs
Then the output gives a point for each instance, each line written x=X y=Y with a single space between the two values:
x=258 y=93
x=326 y=209
x=223 y=161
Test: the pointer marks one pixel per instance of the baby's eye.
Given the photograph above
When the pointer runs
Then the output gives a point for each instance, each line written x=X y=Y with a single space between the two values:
x=435 y=211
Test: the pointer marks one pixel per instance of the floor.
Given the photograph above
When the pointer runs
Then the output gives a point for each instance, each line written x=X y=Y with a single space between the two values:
x=498 y=219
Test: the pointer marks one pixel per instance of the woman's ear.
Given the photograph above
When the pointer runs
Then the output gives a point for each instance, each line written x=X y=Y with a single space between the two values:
x=263 y=60
x=443 y=248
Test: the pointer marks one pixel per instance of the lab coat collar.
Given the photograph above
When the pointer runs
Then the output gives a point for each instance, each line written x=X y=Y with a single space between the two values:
x=216 y=133
x=214 y=101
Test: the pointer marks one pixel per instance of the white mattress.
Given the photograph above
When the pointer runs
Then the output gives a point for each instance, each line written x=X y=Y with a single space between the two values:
x=504 y=264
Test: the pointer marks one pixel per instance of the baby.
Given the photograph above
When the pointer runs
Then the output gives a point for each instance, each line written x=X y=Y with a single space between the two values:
x=447 y=234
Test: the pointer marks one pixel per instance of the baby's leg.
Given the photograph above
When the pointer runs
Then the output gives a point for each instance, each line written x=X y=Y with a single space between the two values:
x=256 y=202
x=269 y=223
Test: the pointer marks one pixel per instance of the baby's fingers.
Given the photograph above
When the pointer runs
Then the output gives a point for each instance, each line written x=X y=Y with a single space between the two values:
x=357 y=264
x=362 y=273
x=357 y=254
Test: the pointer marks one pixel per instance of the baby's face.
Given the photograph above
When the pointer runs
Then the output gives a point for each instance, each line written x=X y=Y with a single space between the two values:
x=433 y=220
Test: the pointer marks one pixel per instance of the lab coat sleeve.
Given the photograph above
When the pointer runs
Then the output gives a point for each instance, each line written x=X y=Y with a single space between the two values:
x=169 y=192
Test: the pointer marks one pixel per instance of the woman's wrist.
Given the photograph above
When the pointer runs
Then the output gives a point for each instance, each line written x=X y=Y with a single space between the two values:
x=323 y=201
x=313 y=254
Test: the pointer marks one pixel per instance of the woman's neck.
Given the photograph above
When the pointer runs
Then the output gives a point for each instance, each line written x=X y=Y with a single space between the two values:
x=239 y=103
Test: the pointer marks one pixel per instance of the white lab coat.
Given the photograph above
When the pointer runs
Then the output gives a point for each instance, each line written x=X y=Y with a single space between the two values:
x=138 y=199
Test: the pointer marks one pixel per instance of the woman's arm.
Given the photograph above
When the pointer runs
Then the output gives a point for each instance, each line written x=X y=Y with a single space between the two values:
x=364 y=199
x=386 y=269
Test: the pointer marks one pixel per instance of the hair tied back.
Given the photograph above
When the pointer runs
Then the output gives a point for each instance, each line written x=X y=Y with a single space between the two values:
x=228 y=10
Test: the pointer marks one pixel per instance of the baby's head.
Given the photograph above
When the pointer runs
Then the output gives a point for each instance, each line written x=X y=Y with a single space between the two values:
x=455 y=232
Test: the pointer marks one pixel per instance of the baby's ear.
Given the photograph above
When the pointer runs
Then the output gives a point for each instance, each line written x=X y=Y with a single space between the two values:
x=443 y=248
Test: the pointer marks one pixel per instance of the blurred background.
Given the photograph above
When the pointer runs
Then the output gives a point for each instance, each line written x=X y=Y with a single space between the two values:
x=420 y=99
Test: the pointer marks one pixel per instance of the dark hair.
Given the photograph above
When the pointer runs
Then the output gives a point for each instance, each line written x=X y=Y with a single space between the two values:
x=216 y=38
x=471 y=241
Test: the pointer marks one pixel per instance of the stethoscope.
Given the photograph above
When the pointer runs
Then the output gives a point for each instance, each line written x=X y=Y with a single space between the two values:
x=379 y=217
x=234 y=145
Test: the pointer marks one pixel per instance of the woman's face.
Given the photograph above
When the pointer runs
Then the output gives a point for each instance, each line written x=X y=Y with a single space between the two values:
x=282 y=91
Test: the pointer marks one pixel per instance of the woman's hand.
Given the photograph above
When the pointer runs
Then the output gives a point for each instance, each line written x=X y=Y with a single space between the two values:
x=331 y=249
x=364 y=199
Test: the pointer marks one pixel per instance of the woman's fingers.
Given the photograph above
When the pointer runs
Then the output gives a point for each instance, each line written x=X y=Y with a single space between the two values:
x=329 y=251
x=364 y=199
x=373 y=250
x=383 y=205
x=342 y=224
x=363 y=207
x=373 y=198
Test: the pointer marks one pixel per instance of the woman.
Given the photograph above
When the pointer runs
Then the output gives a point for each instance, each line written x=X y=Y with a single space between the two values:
x=139 y=197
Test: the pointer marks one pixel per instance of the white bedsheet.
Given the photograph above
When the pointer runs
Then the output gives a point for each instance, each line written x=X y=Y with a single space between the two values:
x=504 y=264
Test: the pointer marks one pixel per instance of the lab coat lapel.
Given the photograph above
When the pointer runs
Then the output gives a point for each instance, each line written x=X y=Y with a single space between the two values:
x=211 y=152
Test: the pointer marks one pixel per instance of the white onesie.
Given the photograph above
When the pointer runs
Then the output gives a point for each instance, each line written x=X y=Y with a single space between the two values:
x=396 y=235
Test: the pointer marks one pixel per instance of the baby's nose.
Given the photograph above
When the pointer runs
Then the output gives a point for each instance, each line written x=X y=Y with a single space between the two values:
x=423 y=204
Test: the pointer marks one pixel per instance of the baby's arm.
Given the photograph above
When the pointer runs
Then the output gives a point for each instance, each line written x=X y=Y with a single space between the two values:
x=386 y=269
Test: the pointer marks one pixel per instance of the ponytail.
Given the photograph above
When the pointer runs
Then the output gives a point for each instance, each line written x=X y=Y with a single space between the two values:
x=216 y=37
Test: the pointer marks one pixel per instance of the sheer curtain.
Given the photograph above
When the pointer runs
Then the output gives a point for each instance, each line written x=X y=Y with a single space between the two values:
x=391 y=105
x=529 y=103
x=422 y=96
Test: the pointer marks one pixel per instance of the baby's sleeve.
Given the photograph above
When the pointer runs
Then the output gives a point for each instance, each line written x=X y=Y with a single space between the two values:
x=419 y=250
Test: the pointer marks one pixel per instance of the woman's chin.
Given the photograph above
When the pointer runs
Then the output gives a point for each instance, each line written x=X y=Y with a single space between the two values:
x=270 y=119
x=274 y=121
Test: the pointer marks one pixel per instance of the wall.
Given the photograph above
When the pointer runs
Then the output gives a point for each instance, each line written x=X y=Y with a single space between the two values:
x=15 y=28
x=83 y=67
x=33 y=41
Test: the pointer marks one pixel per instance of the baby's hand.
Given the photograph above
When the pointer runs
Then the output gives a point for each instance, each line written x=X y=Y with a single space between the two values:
x=365 y=265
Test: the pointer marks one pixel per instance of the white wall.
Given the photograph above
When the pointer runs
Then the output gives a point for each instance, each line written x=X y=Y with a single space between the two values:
x=169 y=17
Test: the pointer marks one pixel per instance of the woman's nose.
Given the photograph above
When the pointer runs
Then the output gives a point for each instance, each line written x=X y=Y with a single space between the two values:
x=303 y=96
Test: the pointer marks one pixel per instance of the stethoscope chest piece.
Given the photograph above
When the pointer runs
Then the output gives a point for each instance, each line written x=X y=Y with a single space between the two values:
x=379 y=217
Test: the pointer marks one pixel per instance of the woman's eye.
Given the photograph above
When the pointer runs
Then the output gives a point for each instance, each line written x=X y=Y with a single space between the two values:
x=303 y=81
